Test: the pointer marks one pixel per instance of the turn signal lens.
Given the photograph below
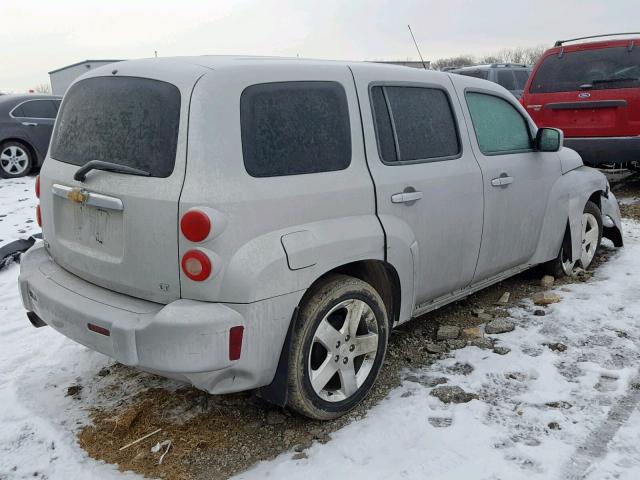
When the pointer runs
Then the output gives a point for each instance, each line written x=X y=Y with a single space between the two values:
x=38 y=186
x=195 y=225
x=196 y=265
x=38 y=216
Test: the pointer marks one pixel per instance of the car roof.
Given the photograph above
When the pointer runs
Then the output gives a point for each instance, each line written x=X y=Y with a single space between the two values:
x=492 y=65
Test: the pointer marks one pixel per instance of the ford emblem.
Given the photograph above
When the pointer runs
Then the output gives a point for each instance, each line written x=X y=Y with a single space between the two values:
x=584 y=95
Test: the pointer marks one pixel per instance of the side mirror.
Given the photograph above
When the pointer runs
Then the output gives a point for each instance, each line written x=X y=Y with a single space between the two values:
x=549 y=140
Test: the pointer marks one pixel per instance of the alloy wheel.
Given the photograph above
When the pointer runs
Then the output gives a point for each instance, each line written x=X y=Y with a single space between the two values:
x=590 y=237
x=14 y=160
x=343 y=350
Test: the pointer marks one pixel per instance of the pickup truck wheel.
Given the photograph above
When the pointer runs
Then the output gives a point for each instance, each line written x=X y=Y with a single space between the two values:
x=589 y=243
x=15 y=160
x=337 y=348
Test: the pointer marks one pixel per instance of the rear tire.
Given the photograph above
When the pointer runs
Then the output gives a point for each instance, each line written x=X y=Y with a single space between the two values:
x=591 y=233
x=337 y=347
x=16 y=160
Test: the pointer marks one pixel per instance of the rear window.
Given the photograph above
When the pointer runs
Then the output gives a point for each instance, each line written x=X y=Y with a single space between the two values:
x=521 y=78
x=124 y=120
x=293 y=128
x=600 y=69
x=506 y=79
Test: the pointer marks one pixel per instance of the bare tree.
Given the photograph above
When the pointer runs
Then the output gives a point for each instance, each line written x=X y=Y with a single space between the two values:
x=43 y=88
x=453 y=62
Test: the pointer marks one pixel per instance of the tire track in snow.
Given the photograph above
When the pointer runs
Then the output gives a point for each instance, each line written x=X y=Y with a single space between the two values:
x=596 y=445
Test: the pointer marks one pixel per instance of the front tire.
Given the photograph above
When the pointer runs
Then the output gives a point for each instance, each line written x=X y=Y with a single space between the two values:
x=337 y=348
x=591 y=236
x=16 y=160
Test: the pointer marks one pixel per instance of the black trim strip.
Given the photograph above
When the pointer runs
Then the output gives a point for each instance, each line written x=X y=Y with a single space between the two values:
x=586 y=105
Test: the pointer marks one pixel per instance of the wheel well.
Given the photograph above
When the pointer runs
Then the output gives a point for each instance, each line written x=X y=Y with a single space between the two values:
x=381 y=276
x=30 y=147
x=595 y=198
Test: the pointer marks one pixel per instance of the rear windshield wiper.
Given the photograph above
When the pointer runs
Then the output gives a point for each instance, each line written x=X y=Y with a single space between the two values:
x=616 y=79
x=81 y=173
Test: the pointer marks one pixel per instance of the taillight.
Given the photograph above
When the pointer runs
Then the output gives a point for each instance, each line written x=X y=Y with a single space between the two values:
x=195 y=225
x=38 y=186
x=235 y=342
x=38 y=216
x=196 y=265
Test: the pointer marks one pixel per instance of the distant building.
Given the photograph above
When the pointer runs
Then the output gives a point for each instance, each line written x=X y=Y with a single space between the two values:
x=63 y=77
x=408 y=63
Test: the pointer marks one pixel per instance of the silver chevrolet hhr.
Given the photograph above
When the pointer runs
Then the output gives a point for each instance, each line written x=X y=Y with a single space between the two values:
x=262 y=223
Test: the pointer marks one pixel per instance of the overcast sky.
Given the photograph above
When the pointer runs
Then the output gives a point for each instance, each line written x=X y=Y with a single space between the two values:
x=41 y=35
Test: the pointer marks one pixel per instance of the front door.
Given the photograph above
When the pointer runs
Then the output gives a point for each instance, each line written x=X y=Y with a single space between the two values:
x=517 y=179
x=428 y=183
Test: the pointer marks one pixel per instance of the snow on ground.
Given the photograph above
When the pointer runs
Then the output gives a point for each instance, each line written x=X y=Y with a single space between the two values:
x=541 y=414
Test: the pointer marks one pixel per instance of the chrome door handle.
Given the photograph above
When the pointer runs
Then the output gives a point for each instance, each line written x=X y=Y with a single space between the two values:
x=406 y=197
x=502 y=181
x=29 y=124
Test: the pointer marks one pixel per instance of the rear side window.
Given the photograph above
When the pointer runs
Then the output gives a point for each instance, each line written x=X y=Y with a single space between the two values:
x=36 y=109
x=600 y=69
x=124 y=120
x=499 y=127
x=521 y=78
x=505 y=78
x=293 y=128
x=414 y=123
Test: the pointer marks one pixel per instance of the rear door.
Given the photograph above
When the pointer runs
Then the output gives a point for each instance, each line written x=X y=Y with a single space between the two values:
x=428 y=183
x=587 y=91
x=116 y=230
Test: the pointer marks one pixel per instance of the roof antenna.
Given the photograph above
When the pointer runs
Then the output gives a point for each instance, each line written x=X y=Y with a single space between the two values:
x=416 y=44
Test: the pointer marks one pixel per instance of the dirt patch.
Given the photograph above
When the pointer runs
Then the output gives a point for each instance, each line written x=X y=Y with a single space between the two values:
x=215 y=437
x=628 y=193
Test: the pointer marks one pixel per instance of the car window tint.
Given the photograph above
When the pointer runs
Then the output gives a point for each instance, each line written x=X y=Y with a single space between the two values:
x=505 y=78
x=56 y=104
x=603 y=68
x=498 y=125
x=293 y=128
x=521 y=78
x=424 y=126
x=37 y=109
x=384 y=129
x=125 y=120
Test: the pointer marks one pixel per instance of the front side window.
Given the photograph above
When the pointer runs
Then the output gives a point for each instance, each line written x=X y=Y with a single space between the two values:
x=124 y=120
x=293 y=128
x=414 y=123
x=36 y=109
x=598 y=69
x=498 y=125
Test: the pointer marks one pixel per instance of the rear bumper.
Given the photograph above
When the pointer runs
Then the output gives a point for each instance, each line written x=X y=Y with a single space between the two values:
x=598 y=150
x=186 y=339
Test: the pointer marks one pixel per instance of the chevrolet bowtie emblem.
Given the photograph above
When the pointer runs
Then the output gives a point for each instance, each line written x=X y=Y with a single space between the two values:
x=77 y=195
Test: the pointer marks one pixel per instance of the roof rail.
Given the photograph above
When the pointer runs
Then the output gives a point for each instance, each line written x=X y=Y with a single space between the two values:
x=559 y=43
x=495 y=65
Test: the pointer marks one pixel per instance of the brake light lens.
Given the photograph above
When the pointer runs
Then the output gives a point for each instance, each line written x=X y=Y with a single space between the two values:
x=38 y=216
x=196 y=265
x=235 y=342
x=195 y=225
x=38 y=186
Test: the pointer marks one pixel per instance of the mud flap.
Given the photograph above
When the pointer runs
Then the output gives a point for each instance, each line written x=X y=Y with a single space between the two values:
x=277 y=391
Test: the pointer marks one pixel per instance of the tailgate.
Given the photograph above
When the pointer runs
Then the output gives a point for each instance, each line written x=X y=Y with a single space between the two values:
x=120 y=230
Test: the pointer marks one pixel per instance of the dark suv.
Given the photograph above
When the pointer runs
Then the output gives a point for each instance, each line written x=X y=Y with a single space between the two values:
x=512 y=76
x=26 y=123
x=592 y=92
